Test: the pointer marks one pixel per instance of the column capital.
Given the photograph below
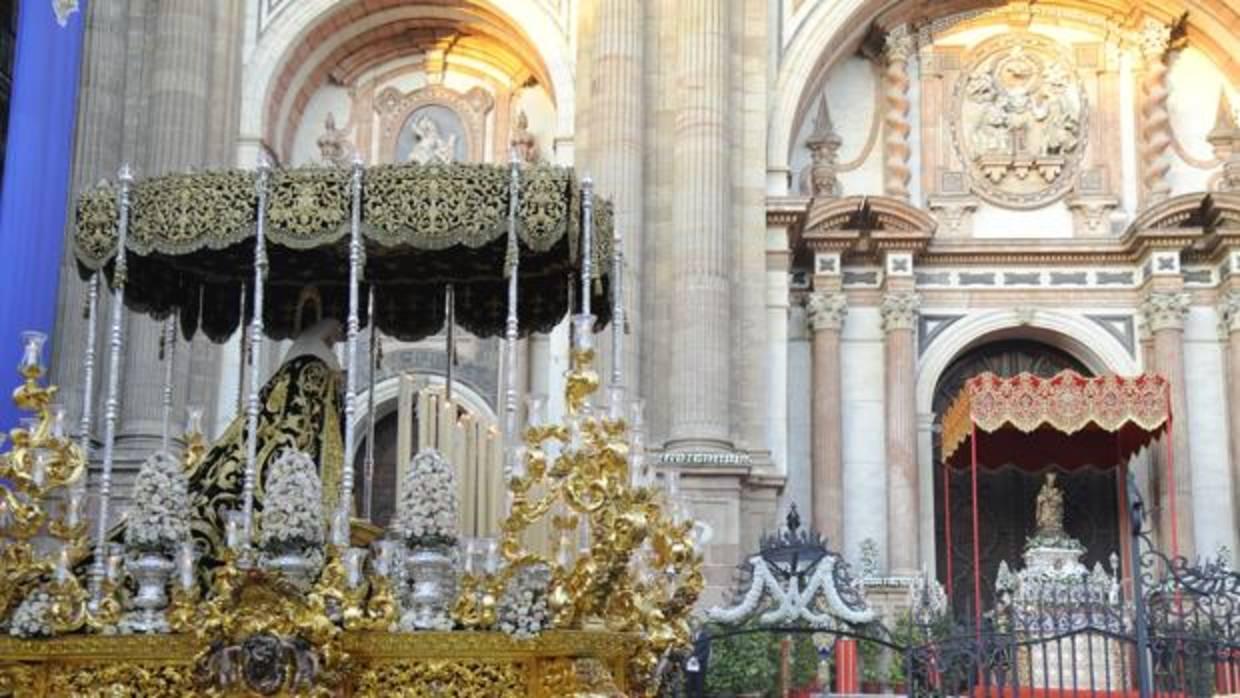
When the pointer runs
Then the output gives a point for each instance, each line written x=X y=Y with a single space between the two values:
x=899 y=45
x=1165 y=310
x=899 y=310
x=1229 y=313
x=826 y=310
x=1154 y=39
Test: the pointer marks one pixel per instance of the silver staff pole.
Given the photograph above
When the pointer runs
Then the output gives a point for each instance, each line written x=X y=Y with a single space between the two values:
x=256 y=345
x=111 y=408
x=340 y=526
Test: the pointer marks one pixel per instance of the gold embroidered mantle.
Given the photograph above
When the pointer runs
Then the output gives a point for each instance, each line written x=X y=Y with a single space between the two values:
x=190 y=244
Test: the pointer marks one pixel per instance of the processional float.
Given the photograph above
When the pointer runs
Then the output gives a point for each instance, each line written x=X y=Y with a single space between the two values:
x=294 y=603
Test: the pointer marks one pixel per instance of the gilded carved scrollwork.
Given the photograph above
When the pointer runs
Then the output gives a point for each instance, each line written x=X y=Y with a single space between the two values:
x=464 y=679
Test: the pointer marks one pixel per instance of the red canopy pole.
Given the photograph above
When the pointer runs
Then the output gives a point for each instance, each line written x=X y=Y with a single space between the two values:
x=947 y=525
x=977 y=556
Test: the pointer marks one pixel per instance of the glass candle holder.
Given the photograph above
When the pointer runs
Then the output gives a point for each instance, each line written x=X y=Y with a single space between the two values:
x=514 y=461
x=535 y=410
x=384 y=560
x=32 y=352
x=469 y=553
x=340 y=528
x=490 y=563
x=115 y=563
x=583 y=332
x=193 y=419
x=234 y=530
x=617 y=403
x=73 y=507
x=354 y=558
x=185 y=565
x=59 y=415
x=64 y=564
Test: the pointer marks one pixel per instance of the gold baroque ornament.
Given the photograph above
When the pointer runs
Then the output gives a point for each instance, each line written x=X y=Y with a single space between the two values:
x=121 y=680
x=441 y=677
x=1020 y=120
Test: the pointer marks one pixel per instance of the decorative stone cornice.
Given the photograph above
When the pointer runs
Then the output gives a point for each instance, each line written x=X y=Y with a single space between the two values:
x=899 y=44
x=1229 y=313
x=899 y=310
x=1165 y=310
x=826 y=310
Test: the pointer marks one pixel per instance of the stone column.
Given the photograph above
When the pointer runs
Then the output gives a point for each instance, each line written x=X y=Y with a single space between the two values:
x=1164 y=313
x=777 y=306
x=701 y=362
x=896 y=149
x=98 y=154
x=899 y=313
x=1155 y=119
x=617 y=142
x=1229 y=316
x=826 y=318
x=176 y=136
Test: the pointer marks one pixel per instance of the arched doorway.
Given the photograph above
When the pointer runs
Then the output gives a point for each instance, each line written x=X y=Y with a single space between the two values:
x=1006 y=494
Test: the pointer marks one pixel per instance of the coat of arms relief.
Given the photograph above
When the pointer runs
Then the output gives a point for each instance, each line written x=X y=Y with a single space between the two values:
x=1020 y=121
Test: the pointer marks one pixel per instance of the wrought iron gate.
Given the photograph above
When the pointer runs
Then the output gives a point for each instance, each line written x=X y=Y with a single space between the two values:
x=1172 y=630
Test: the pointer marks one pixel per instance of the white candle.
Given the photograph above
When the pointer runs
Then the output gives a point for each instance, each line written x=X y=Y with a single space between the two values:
x=185 y=564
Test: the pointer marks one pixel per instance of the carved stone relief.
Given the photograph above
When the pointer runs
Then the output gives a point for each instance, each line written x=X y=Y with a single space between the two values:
x=1019 y=123
x=433 y=124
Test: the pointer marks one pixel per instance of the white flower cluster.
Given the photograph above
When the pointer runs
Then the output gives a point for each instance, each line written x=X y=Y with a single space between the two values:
x=32 y=617
x=426 y=514
x=522 y=610
x=159 y=520
x=292 y=518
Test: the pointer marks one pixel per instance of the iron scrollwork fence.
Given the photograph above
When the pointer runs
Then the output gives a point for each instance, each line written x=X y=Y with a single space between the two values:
x=1171 y=629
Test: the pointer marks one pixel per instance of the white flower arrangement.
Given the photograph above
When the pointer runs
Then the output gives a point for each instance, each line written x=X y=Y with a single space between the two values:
x=292 y=519
x=426 y=514
x=159 y=519
x=522 y=611
x=33 y=616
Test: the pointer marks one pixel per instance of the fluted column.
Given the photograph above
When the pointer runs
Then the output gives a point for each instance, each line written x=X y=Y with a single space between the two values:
x=899 y=314
x=1155 y=119
x=97 y=155
x=896 y=149
x=827 y=310
x=701 y=351
x=617 y=141
x=176 y=135
x=1229 y=315
x=1164 y=313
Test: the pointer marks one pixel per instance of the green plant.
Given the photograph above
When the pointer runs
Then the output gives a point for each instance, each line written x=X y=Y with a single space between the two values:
x=804 y=661
x=744 y=663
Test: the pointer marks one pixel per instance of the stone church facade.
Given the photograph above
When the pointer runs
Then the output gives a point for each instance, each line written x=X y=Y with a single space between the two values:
x=834 y=212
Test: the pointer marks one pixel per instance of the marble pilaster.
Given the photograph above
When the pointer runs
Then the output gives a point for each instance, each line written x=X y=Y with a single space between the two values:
x=1164 y=312
x=827 y=310
x=701 y=361
x=899 y=310
x=1229 y=316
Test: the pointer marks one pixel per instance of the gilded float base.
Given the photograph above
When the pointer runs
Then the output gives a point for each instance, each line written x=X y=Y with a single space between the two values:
x=431 y=664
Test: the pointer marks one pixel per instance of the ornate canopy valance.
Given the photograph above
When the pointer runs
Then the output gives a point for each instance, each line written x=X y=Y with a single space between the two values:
x=1068 y=420
x=190 y=245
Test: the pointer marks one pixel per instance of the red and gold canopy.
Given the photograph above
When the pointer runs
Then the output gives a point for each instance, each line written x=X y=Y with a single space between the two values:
x=1068 y=420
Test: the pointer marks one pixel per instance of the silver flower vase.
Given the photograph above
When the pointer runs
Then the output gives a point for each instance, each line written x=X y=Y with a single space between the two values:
x=151 y=572
x=430 y=572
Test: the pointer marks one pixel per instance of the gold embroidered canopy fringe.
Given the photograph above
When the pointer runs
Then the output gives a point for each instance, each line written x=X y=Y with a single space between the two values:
x=190 y=246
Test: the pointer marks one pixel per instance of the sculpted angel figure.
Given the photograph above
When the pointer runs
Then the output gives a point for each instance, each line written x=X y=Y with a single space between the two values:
x=430 y=146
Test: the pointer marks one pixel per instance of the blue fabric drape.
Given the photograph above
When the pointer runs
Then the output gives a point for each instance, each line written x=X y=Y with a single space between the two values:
x=35 y=199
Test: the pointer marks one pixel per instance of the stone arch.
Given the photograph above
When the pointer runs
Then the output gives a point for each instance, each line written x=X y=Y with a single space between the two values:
x=1086 y=340
x=841 y=25
x=300 y=38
